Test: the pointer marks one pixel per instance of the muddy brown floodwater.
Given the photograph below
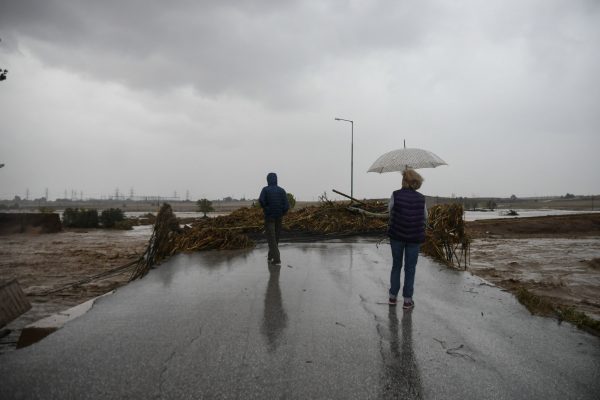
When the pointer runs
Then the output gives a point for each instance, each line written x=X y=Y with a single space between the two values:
x=566 y=271
x=557 y=258
x=43 y=262
x=554 y=257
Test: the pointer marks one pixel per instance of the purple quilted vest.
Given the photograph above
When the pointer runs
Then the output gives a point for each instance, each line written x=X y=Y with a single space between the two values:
x=407 y=222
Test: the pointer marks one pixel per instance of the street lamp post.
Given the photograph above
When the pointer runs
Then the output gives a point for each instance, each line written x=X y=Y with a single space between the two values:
x=351 y=154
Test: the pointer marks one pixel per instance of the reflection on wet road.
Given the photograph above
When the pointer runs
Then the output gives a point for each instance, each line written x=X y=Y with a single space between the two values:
x=274 y=319
x=401 y=378
x=227 y=325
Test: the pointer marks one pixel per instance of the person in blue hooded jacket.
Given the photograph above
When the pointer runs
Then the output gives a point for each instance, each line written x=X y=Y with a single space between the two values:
x=274 y=202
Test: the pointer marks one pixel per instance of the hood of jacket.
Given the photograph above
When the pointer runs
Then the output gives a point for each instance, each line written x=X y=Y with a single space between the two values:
x=272 y=179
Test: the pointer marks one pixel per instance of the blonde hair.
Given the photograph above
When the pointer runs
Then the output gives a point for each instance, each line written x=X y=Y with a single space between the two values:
x=411 y=179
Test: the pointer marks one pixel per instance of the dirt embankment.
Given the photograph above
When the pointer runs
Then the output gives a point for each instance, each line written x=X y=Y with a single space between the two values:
x=553 y=262
x=575 y=225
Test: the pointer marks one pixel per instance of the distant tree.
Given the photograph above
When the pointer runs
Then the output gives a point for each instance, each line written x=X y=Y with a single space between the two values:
x=204 y=206
x=17 y=198
x=513 y=197
x=471 y=205
x=491 y=204
x=228 y=198
x=569 y=196
x=467 y=203
x=291 y=200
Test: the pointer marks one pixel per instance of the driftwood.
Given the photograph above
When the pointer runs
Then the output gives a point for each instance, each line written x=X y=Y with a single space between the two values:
x=446 y=240
x=168 y=238
x=348 y=197
x=161 y=243
x=369 y=213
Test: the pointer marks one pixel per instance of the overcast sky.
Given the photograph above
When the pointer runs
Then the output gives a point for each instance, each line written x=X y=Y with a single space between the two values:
x=207 y=97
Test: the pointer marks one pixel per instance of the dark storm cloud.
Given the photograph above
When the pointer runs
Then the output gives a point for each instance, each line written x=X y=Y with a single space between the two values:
x=256 y=48
x=262 y=48
x=485 y=84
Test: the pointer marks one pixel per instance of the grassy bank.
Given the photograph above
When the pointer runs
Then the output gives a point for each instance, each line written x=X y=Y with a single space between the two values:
x=542 y=306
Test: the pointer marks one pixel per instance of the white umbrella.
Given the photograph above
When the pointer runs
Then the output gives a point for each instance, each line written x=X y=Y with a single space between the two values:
x=401 y=159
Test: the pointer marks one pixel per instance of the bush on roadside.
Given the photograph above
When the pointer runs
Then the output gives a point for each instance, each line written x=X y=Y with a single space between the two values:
x=80 y=218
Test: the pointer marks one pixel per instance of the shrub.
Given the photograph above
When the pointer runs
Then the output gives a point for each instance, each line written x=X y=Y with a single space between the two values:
x=110 y=217
x=80 y=218
x=291 y=200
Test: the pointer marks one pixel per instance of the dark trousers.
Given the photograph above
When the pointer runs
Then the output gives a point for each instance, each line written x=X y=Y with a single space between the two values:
x=273 y=230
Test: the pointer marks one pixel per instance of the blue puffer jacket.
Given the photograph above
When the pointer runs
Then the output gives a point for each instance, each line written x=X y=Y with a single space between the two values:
x=273 y=199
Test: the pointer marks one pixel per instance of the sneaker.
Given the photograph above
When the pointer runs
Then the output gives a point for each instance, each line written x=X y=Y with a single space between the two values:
x=392 y=302
x=408 y=304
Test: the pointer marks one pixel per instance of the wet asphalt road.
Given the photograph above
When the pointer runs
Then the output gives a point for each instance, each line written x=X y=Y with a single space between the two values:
x=226 y=325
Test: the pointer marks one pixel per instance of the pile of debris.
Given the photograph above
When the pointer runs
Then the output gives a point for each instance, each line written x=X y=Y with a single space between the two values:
x=162 y=242
x=446 y=238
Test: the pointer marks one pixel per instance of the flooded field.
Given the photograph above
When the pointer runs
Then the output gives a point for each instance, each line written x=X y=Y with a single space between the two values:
x=565 y=270
x=43 y=262
x=480 y=215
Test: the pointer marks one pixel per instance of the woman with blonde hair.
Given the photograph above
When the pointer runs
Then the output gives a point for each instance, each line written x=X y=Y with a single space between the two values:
x=408 y=215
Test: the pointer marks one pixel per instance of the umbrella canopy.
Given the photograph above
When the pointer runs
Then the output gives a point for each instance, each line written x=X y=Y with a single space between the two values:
x=399 y=160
